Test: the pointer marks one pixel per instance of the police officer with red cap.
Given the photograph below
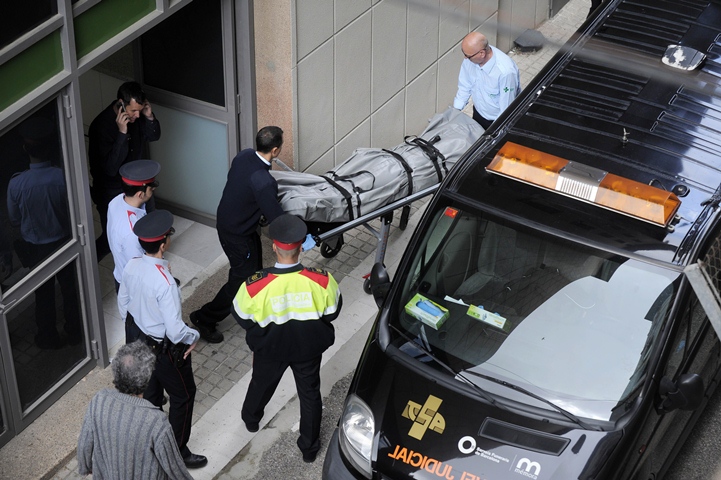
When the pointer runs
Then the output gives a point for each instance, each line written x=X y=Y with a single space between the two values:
x=138 y=184
x=286 y=311
x=149 y=292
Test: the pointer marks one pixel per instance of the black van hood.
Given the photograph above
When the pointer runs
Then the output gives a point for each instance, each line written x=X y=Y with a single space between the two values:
x=425 y=430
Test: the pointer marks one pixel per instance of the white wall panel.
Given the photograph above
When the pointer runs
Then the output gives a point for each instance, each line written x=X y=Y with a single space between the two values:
x=453 y=23
x=388 y=124
x=352 y=75
x=314 y=24
x=421 y=101
x=348 y=10
x=359 y=137
x=389 y=51
x=315 y=105
x=421 y=36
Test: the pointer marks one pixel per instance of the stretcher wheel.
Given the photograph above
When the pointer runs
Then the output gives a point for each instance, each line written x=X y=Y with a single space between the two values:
x=367 y=287
x=405 y=213
x=330 y=248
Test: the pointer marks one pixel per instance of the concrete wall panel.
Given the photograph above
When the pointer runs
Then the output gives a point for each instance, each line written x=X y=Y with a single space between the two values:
x=421 y=101
x=323 y=164
x=360 y=137
x=482 y=10
x=453 y=23
x=389 y=51
x=315 y=105
x=388 y=123
x=352 y=75
x=422 y=37
x=448 y=67
x=314 y=24
x=348 y=10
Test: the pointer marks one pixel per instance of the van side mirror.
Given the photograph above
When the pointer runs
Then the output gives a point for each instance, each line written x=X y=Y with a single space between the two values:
x=686 y=393
x=380 y=283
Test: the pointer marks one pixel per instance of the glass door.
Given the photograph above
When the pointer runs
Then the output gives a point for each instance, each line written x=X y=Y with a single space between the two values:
x=44 y=342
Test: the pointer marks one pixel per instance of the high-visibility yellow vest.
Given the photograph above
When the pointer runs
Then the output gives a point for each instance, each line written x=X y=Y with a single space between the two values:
x=306 y=294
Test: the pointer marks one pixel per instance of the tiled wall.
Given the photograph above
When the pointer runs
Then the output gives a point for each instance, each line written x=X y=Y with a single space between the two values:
x=337 y=75
x=368 y=72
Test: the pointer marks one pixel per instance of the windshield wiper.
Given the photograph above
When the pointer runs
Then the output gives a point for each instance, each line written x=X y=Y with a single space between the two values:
x=421 y=347
x=562 y=411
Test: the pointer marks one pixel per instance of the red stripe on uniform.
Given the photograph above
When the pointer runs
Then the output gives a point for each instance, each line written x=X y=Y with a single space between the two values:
x=161 y=269
x=255 y=287
x=321 y=280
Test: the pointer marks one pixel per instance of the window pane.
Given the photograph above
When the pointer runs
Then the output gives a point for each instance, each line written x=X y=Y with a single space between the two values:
x=201 y=53
x=33 y=195
x=24 y=72
x=46 y=335
x=107 y=19
x=19 y=18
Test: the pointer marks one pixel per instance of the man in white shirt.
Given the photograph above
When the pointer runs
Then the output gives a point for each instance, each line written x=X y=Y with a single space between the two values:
x=488 y=76
x=138 y=183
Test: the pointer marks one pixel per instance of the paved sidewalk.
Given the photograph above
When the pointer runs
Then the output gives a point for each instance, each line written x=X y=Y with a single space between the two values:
x=222 y=370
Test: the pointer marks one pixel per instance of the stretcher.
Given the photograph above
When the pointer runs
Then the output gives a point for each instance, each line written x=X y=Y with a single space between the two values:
x=372 y=183
x=329 y=237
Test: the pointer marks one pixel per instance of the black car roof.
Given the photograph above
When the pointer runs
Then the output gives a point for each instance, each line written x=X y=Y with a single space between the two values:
x=608 y=101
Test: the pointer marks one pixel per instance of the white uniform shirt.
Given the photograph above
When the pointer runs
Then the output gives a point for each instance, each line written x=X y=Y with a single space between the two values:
x=492 y=86
x=123 y=242
x=149 y=292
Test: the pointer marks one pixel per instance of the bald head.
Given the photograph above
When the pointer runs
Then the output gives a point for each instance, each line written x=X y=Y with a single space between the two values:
x=475 y=48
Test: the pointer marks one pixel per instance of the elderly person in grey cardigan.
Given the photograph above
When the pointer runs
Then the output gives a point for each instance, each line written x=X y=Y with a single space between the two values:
x=124 y=436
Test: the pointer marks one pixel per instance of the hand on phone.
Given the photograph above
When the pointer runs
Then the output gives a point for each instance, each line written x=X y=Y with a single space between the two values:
x=122 y=118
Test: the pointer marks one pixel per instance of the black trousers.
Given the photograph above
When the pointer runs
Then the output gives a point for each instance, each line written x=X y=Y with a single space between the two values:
x=245 y=257
x=267 y=373
x=180 y=385
x=484 y=122
x=45 y=309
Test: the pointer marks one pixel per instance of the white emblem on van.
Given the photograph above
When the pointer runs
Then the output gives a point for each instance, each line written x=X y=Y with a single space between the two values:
x=528 y=468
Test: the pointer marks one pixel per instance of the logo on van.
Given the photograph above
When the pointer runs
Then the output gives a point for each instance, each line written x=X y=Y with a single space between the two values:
x=527 y=468
x=424 y=417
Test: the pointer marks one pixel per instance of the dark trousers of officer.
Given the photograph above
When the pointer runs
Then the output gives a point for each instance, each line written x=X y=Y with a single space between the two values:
x=245 y=257
x=267 y=373
x=484 y=122
x=180 y=385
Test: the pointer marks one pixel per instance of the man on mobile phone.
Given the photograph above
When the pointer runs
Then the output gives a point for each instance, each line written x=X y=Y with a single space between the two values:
x=117 y=136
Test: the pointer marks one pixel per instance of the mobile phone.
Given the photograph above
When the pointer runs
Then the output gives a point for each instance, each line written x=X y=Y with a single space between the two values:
x=122 y=105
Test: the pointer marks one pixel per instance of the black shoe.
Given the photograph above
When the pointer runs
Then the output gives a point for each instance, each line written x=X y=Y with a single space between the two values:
x=252 y=427
x=309 y=457
x=192 y=460
x=209 y=334
x=164 y=401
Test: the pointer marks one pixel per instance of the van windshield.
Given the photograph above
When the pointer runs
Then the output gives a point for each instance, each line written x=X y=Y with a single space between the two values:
x=566 y=322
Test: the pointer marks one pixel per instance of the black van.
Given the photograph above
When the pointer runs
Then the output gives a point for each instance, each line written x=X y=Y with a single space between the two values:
x=550 y=317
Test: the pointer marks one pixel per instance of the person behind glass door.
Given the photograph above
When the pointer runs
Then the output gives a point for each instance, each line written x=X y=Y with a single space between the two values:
x=117 y=136
x=37 y=203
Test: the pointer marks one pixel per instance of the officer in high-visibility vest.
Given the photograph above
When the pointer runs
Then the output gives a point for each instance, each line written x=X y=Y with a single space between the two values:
x=286 y=311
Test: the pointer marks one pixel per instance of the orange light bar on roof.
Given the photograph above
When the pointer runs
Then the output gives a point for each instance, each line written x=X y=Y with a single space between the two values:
x=586 y=183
